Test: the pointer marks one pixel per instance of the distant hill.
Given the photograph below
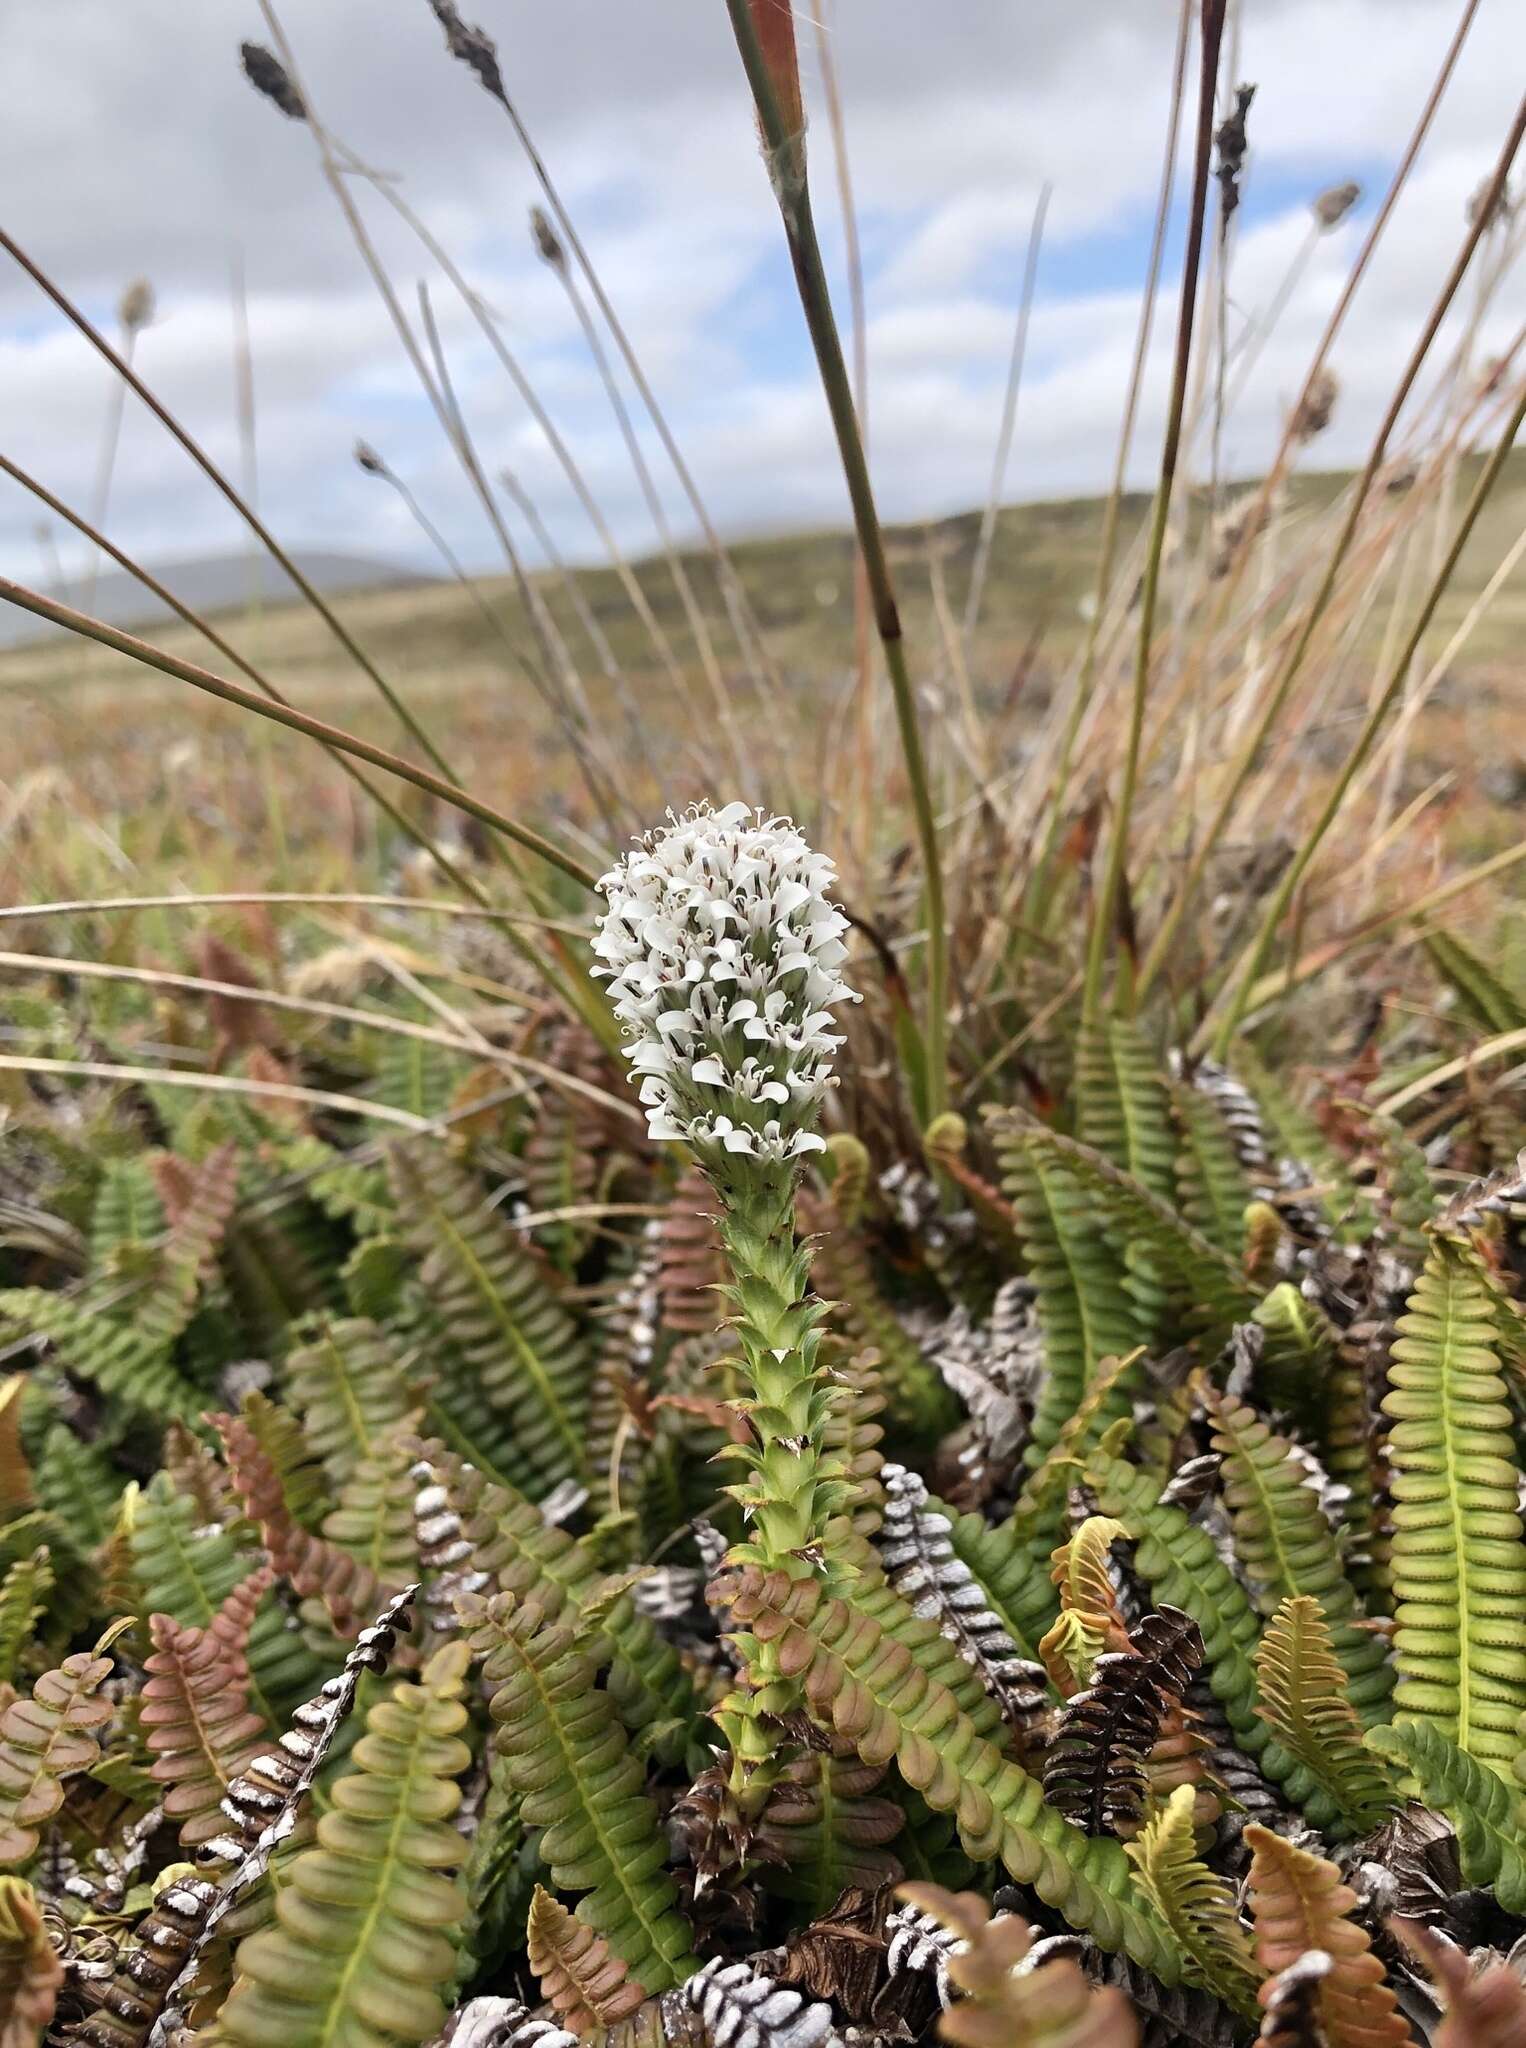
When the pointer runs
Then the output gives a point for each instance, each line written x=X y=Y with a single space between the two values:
x=207 y=583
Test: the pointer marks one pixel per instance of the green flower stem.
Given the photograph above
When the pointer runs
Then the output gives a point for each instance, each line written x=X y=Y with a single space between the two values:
x=793 y=1485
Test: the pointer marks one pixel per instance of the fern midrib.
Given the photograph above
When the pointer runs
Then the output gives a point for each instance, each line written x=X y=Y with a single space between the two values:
x=612 y=1858
x=353 y=1411
x=401 y=1818
x=209 y=1608
x=1450 y=1321
x=550 y=1399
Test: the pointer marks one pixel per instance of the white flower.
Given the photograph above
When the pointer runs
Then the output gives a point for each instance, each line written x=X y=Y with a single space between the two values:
x=722 y=953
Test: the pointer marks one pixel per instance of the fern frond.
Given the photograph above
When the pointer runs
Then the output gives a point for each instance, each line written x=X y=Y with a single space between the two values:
x=1082 y=1307
x=586 y=1985
x=198 y=1201
x=1477 y=987
x=1172 y=1260
x=1483 y=1809
x=1287 y=1546
x=870 y=1688
x=348 y=1386
x=917 y=1546
x=197 y=1722
x=1006 y=1999
x=44 y=1740
x=1483 y=2010
x=315 y=1567
x=1096 y=1766
x=1090 y=1619
x=30 y=1973
x=1215 y=1187
x=563 y=1752
x=114 y=1357
x=1305 y=1703
x=24 y=1595
x=1178 y=1562
x=1458 y=1563
x=1197 y=1906
x=365 y=1917
x=1298 y=1903
x=187 y=1569
x=500 y=1311
x=513 y=1545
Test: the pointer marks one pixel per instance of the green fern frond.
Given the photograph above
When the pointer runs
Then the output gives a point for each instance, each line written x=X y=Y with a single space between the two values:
x=348 y=1386
x=1483 y=1809
x=24 y=1595
x=1481 y=992
x=114 y=1357
x=1196 y=1905
x=1458 y=1562
x=1082 y=1308
x=1181 y=1268
x=1215 y=1189
x=367 y=1918
x=524 y=1556
x=1287 y=1546
x=498 y=1305
x=1305 y=1703
x=563 y=1752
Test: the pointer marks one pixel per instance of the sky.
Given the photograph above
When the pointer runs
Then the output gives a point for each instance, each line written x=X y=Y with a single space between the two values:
x=133 y=146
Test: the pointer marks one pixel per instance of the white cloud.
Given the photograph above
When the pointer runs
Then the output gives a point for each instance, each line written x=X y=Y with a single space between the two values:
x=136 y=147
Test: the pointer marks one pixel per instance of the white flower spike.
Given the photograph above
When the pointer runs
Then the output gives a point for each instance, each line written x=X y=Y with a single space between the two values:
x=722 y=952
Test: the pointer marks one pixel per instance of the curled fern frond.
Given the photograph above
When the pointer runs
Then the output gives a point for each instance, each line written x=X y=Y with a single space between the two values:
x=30 y=1973
x=1298 y=1903
x=44 y=1740
x=585 y=1984
x=1090 y=1619
x=563 y=1752
x=1197 y=1906
x=361 y=1944
x=1096 y=1767
x=1458 y=1562
x=872 y=1690
x=1305 y=1703
x=916 y=1545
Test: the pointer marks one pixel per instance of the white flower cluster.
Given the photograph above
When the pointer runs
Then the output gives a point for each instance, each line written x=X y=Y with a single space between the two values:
x=722 y=950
